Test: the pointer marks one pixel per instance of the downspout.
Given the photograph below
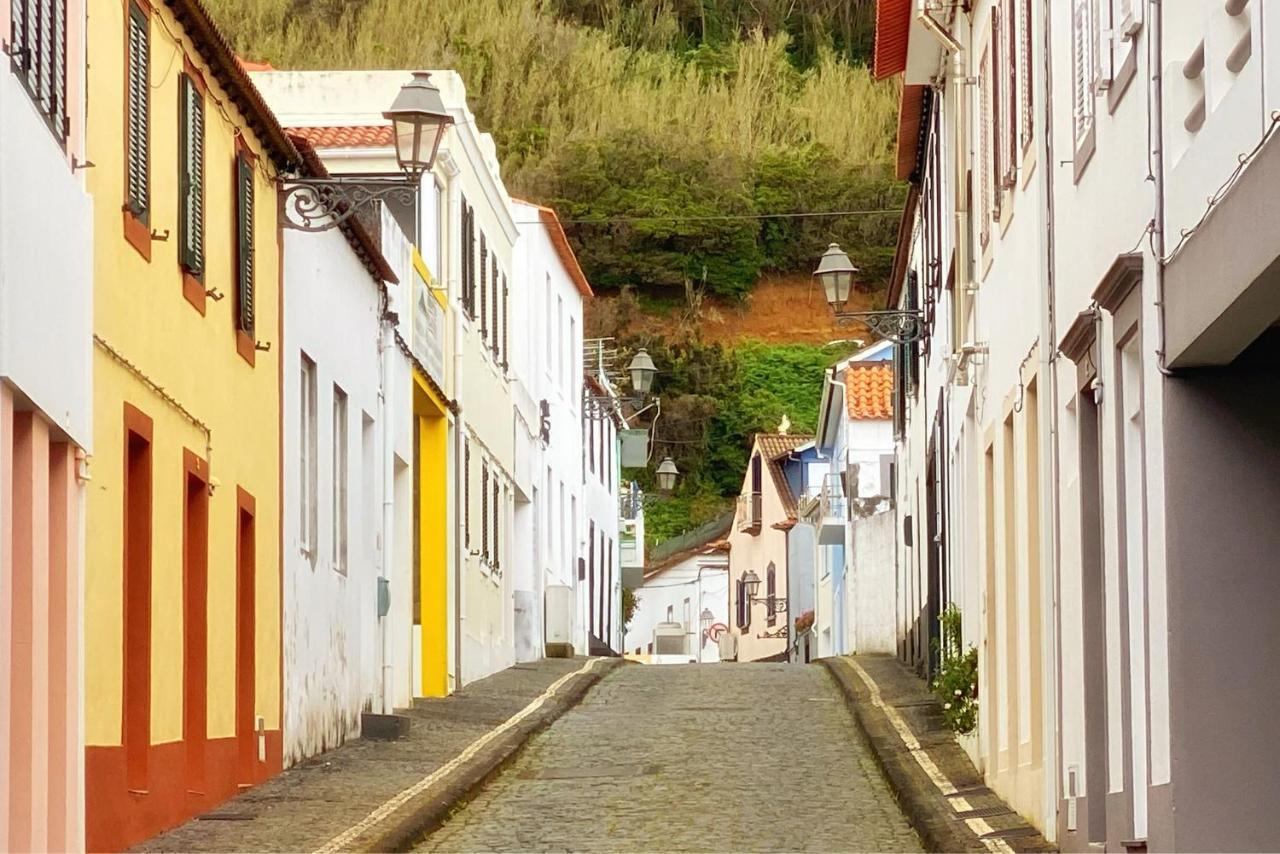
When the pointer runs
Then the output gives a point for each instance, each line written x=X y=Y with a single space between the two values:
x=459 y=458
x=937 y=30
x=1155 y=132
x=1051 y=551
x=386 y=348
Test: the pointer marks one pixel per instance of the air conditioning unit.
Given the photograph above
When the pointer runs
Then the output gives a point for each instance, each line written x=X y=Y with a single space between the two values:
x=728 y=646
x=559 y=605
x=669 y=639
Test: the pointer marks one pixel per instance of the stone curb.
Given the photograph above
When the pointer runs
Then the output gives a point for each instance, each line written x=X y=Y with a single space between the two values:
x=413 y=821
x=925 y=807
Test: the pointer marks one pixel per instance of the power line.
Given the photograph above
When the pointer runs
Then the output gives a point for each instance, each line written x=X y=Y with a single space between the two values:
x=718 y=217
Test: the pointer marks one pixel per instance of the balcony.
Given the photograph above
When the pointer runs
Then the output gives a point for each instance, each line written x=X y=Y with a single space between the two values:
x=749 y=508
x=833 y=511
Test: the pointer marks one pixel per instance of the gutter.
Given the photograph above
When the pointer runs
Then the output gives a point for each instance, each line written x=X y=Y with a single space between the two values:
x=939 y=32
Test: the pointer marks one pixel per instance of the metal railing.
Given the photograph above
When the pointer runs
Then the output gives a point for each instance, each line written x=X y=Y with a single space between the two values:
x=832 y=499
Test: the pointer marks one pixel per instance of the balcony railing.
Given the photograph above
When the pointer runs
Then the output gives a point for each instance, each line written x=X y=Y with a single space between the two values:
x=833 y=510
x=749 y=509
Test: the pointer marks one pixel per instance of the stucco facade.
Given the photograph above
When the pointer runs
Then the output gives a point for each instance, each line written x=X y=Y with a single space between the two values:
x=182 y=626
x=679 y=590
x=758 y=543
x=334 y=436
x=46 y=295
x=548 y=294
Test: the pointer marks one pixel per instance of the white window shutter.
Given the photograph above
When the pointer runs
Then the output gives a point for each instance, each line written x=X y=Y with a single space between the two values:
x=1082 y=68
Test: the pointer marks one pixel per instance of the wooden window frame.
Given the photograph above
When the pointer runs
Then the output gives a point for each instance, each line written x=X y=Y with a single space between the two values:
x=137 y=227
x=245 y=341
x=38 y=58
x=1027 y=75
x=193 y=288
x=484 y=512
x=986 y=178
x=484 y=296
x=1084 y=124
x=466 y=493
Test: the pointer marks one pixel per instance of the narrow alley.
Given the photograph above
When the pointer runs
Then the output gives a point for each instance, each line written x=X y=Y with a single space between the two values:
x=749 y=757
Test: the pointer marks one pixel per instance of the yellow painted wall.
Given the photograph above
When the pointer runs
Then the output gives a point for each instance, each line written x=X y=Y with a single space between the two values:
x=140 y=311
x=433 y=492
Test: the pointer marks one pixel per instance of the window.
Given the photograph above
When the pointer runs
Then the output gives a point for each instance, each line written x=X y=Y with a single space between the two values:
x=308 y=413
x=466 y=493
x=497 y=523
x=572 y=345
x=39 y=55
x=244 y=251
x=138 y=131
x=985 y=172
x=465 y=249
x=484 y=512
x=560 y=338
x=506 y=304
x=484 y=290
x=191 y=175
x=551 y=339
x=1026 y=77
x=495 y=286
x=671 y=615
x=1084 y=73
x=1009 y=90
x=340 y=480
x=771 y=593
x=998 y=108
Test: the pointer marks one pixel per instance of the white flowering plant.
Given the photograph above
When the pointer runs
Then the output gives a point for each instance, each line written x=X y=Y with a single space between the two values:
x=956 y=682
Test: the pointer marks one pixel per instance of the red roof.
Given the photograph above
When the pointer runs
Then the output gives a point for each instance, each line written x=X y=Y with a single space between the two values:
x=773 y=447
x=351 y=136
x=560 y=241
x=893 y=24
x=869 y=391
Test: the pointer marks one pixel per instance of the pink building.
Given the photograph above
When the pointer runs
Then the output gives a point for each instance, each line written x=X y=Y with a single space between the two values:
x=46 y=252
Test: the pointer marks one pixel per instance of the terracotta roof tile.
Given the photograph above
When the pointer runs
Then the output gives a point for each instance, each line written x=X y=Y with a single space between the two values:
x=561 y=243
x=774 y=446
x=893 y=25
x=869 y=391
x=350 y=136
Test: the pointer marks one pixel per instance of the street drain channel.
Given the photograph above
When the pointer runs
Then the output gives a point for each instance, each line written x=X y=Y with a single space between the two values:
x=985 y=812
x=1011 y=833
x=597 y=772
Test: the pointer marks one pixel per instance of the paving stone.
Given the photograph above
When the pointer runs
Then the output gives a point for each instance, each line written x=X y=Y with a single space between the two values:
x=727 y=757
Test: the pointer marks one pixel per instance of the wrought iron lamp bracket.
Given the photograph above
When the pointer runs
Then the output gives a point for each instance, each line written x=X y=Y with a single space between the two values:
x=319 y=204
x=899 y=326
x=599 y=407
x=779 y=603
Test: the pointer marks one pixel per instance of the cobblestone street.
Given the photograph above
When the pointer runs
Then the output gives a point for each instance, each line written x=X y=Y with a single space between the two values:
x=732 y=757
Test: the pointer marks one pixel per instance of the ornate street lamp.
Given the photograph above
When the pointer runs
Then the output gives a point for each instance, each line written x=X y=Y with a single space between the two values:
x=642 y=370
x=706 y=618
x=666 y=474
x=418 y=122
x=835 y=272
x=751 y=584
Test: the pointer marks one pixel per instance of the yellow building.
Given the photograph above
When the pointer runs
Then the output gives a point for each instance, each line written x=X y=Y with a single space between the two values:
x=432 y=427
x=182 y=594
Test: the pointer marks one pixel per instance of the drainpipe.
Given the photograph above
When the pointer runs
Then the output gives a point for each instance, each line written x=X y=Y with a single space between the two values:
x=386 y=347
x=459 y=458
x=1051 y=547
x=1155 y=147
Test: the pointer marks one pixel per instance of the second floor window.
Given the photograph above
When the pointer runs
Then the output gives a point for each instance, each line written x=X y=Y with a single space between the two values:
x=39 y=53
x=138 y=115
x=244 y=243
x=191 y=176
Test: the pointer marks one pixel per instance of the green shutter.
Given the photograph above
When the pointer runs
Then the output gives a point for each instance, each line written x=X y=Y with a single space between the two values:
x=138 y=117
x=244 y=242
x=191 y=176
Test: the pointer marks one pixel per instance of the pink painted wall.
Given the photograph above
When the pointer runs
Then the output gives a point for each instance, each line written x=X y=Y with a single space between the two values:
x=40 y=769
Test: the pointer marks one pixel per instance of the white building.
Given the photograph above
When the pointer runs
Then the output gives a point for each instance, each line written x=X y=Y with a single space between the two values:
x=600 y=565
x=455 y=402
x=46 y=348
x=857 y=594
x=1088 y=443
x=546 y=369
x=689 y=588
x=335 y=433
